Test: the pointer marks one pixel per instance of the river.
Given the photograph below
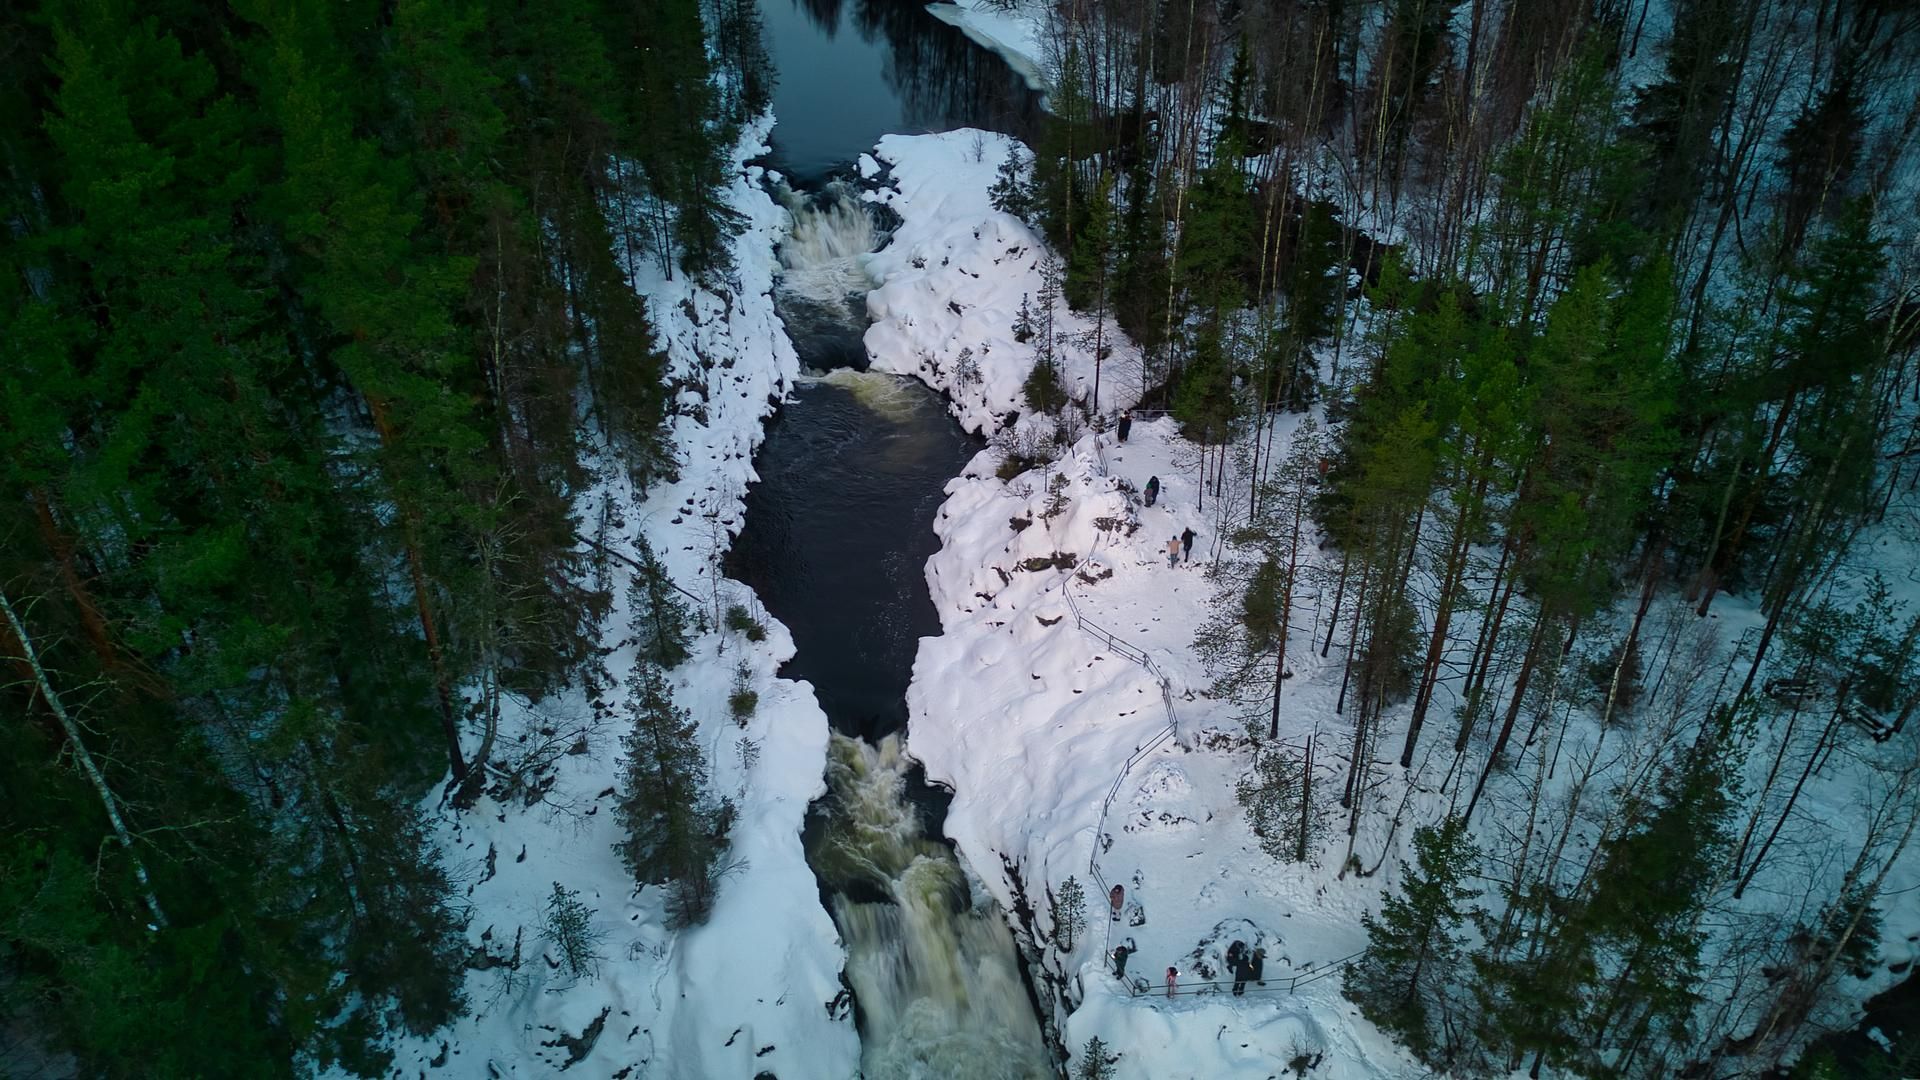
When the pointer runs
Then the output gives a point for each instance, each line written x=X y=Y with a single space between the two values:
x=838 y=532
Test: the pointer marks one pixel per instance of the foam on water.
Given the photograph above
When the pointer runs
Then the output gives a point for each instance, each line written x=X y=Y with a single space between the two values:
x=932 y=966
x=824 y=258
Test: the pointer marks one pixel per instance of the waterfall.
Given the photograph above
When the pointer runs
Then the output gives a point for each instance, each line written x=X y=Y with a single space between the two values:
x=823 y=280
x=931 y=964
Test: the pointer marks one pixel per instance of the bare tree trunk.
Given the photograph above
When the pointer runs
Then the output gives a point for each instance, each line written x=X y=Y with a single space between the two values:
x=1813 y=762
x=1513 y=713
x=1482 y=660
x=81 y=754
x=1450 y=585
x=1339 y=594
x=423 y=604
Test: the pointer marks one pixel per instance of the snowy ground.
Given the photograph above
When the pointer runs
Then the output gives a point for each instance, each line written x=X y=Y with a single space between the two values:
x=1030 y=719
x=746 y=992
x=952 y=278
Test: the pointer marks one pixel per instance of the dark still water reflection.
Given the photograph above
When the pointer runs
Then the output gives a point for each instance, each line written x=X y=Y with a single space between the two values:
x=838 y=533
x=850 y=71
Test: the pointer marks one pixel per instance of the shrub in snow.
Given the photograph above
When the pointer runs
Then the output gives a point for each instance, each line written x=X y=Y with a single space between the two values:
x=744 y=698
x=1022 y=447
x=742 y=620
x=569 y=929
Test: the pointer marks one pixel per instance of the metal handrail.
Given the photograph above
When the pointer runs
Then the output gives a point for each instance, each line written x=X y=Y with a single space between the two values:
x=1140 y=987
x=1138 y=656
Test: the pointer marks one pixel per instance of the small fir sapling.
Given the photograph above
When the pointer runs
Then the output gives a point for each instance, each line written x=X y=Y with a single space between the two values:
x=1096 y=1061
x=1068 y=908
x=569 y=929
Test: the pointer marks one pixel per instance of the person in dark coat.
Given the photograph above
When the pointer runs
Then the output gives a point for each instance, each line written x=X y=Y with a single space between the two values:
x=1120 y=953
x=1257 y=966
x=1186 y=542
x=1153 y=489
x=1126 y=424
x=1240 y=972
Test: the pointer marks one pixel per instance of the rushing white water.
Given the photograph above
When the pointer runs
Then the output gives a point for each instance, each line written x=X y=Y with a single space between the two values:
x=933 y=965
x=824 y=258
x=894 y=398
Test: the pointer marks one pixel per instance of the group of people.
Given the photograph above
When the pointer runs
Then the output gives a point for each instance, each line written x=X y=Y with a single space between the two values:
x=1180 y=547
x=1246 y=965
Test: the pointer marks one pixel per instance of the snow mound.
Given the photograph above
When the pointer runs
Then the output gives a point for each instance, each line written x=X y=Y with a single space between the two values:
x=952 y=279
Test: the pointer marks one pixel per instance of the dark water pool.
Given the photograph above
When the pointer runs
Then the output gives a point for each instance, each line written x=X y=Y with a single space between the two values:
x=850 y=71
x=838 y=533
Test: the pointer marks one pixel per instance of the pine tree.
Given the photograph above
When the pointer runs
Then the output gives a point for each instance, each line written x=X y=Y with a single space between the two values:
x=675 y=830
x=569 y=929
x=1413 y=951
x=658 y=615
x=1096 y=1061
x=1069 y=913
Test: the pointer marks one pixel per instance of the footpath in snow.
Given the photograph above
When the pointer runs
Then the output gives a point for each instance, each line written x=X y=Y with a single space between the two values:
x=1030 y=719
x=748 y=991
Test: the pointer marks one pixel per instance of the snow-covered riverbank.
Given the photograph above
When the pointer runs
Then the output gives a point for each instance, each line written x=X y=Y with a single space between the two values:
x=1030 y=719
x=749 y=990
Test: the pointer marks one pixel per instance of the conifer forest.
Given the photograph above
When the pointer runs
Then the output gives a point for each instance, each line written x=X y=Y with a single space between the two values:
x=1562 y=357
x=1614 y=307
x=314 y=324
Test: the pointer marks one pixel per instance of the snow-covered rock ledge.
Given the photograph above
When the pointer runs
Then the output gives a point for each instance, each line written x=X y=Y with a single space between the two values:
x=746 y=992
x=1013 y=32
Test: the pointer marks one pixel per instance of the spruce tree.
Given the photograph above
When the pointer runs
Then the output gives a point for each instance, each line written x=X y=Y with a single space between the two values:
x=569 y=929
x=1096 y=1061
x=1011 y=192
x=675 y=830
x=1413 y=949
x=1069 y=912
x=658 y=615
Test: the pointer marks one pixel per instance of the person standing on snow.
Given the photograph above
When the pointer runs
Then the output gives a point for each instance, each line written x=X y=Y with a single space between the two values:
x=1257 y=966
x=1126 y=424
x=1186 y=542
x=1120 y=954
x=1173 y=551
x=1173 y=981
x=1153 y=489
